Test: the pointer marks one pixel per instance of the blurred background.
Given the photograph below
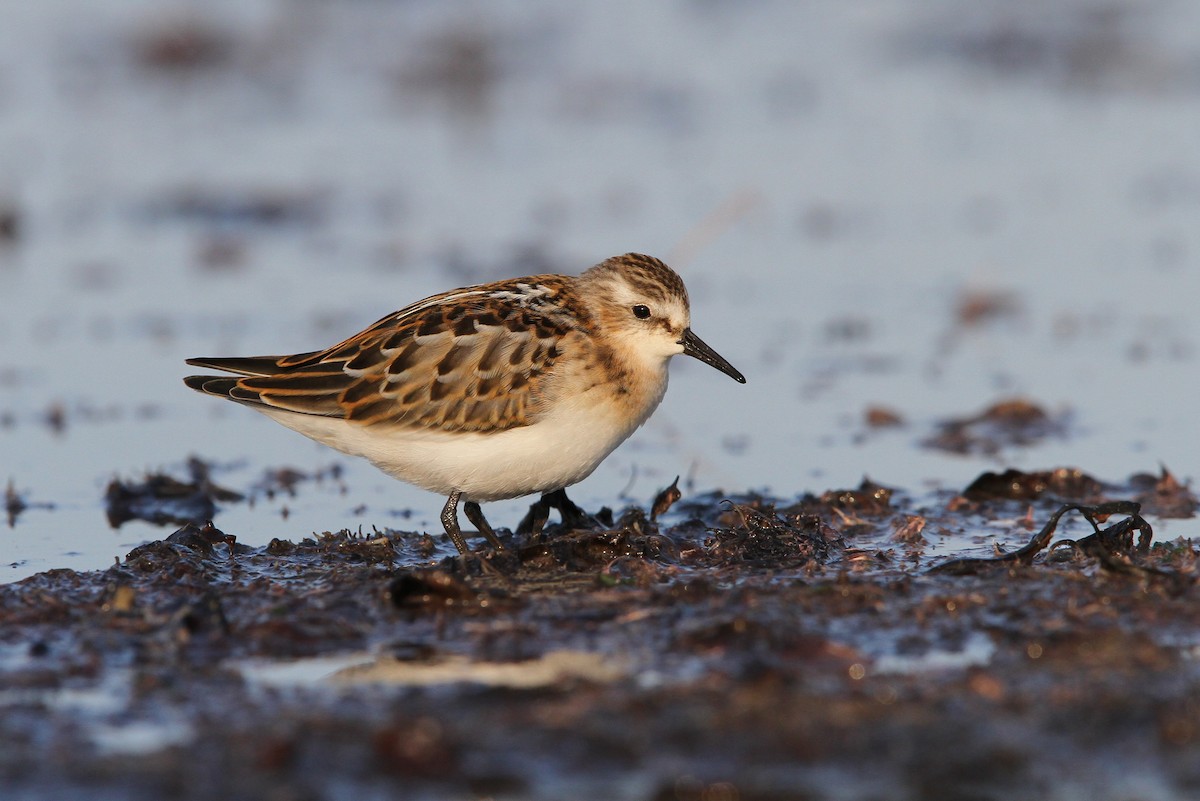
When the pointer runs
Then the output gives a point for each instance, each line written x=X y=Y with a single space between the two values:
x=888 y=214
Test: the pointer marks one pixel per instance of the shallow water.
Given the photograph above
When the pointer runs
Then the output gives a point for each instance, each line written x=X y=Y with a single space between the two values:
x=831 y=180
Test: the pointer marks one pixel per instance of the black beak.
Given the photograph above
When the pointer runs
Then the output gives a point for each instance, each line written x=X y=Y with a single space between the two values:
x=694 y=346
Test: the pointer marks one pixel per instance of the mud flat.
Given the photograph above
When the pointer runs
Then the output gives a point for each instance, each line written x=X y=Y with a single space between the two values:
x=736 y=649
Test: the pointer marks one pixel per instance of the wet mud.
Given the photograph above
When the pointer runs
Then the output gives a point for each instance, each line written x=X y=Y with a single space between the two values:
x=704 y=648
x=256 y=174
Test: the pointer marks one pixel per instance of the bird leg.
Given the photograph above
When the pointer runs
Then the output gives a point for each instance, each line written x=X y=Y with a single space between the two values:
x=475 y=515
x=539 y=512
x=573 y=516
x=450 y=523
x=535 y=519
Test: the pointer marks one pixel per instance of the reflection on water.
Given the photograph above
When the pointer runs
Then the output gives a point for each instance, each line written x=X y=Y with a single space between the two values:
x=920 y=207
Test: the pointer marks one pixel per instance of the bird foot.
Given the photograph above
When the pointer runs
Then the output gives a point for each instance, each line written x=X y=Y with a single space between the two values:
x=573 y=516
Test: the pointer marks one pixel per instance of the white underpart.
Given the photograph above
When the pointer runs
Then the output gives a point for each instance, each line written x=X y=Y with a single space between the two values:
x=560 y=449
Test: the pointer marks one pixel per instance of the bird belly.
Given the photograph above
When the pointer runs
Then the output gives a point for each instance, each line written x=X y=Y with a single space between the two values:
x=558 y=450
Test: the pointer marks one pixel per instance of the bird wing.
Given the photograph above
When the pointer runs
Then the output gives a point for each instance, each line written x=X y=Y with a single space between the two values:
x=469 y=360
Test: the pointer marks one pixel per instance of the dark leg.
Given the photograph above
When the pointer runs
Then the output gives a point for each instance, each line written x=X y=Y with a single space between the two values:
x=450 y=522
x=475 y=515
x=572 y=516
x=535 y=519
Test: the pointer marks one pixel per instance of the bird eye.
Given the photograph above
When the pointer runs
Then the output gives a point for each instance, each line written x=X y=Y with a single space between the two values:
x=641 y=312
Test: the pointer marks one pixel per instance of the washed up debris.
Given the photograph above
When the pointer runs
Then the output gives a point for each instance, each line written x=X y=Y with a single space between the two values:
x=1016 y=422
x=1042 y=540
x=1113 y=547
x=1064 y=483
x=552 y=669
x=665 y=500
x=10 y=223
x=13 y=504
x=1164 y=495
x=458 y=67
x=764 y=537
x=853 y=511
x=164 y=500
x=426 y=590
x=1161 y=495
x=55 y=417
x=182 y=45
x=910 y=531
x=285 y=480
x=202 y=538
x=882 y=417
x=980 y=306
x=261 y=206
x=584 y=550
x=185 y=550
x=869 y=499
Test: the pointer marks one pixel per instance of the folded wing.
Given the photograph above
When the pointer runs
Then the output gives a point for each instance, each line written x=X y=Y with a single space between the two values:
x=466 y=363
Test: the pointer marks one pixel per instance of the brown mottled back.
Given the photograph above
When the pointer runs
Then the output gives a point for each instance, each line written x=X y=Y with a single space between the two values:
x=469 y=360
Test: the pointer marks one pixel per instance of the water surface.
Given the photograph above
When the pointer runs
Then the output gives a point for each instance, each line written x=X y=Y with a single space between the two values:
x=834 y=182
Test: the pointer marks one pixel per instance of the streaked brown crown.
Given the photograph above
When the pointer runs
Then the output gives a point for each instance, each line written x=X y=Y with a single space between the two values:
x=645 y=275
